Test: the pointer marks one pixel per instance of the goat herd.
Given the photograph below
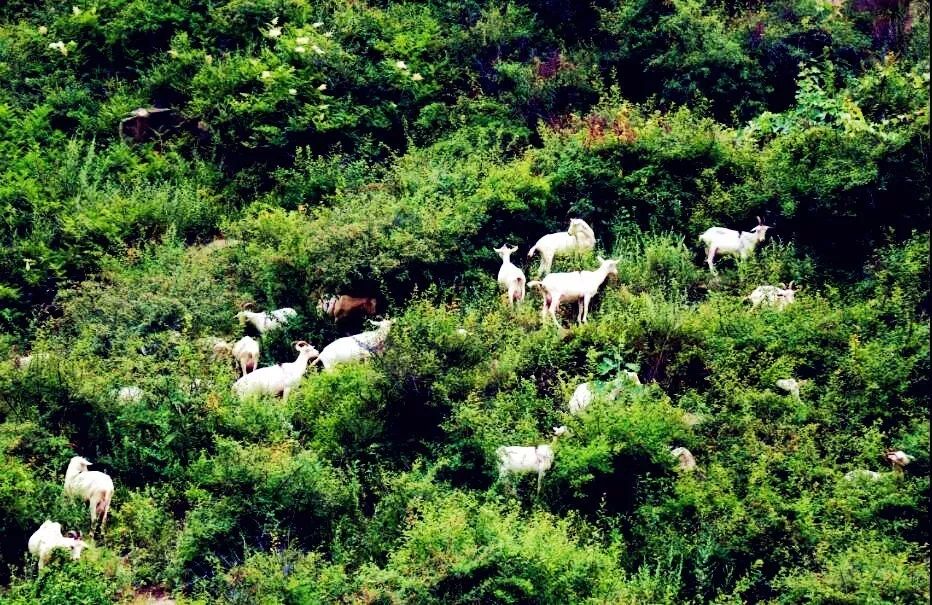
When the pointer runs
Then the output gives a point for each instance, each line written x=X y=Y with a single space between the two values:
x=580 y=286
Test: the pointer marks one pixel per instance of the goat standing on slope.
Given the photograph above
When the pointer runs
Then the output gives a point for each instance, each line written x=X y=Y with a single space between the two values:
x=280 y=378
x=722 y=241
x=518 y=459
x=579 y=236
x=355 y=348
x=341 y=307
x=93 y=486
x=580 y=286
x=264 y=322
x=510 y=276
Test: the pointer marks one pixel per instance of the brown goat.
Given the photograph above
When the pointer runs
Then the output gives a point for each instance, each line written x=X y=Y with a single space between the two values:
x=341 y=307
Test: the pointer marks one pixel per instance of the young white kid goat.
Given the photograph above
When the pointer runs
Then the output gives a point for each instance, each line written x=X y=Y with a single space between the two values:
x=517 y=459
x=355 y=348
x=266 y=321
x=510 y=276
x=579 y=236
x=721 y=241
x=49 y=537
x=779 y=297
x=93 y=486
x=277 y=379
x=578 y=286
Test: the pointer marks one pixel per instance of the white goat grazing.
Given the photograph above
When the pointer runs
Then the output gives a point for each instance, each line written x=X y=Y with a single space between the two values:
x=355 y=348
x=510 y=276
x=862 y=474
x=280 y=378
x=49 y=537
x=246 y=352
x=93 y=486
x=584 y=394
x=528 y=459
x=779 y=297
x=579 y=237
x=265 y=322
x=722 y=241
x=686 y=461
x=129 y=394
x=578 y=286
x=790 y=385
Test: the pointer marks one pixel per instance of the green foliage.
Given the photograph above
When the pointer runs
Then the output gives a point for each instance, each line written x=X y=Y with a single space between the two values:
x=384 y=150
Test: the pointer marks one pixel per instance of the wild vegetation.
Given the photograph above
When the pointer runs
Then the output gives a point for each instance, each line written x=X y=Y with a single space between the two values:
x=386 y=150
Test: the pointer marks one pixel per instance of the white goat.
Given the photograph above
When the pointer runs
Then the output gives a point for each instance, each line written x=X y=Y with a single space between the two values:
x=722 y=241
x=579 y=237
x=510 y=276
x=528 y=459
x=862 y=474
x=578 y=286
x=93 y=486
x=49 y=537
x=779 y=297
x=246 y=352
x=686 y=461
x=266 y=321
x=355 y=348
x=790 y=385
x=280 y=378
x=130 y=394
x=583 y=394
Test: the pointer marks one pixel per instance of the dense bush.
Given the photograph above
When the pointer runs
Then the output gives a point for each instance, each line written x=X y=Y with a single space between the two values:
x=384 y=150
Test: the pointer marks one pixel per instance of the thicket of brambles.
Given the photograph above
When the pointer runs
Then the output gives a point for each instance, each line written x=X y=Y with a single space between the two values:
x=384 y=149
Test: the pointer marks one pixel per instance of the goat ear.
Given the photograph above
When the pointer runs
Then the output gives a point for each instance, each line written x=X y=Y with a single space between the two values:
x=600 y=259
x=782 y=285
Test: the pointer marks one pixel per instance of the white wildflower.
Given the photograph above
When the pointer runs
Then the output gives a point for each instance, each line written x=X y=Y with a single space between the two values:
x=75 y=10
x=43 y=30
x=317 y=49
x=265 y=75
x=208 y=59
x=417 y=77
x=302 y=40
x=322 y=87
x=274 y=32
x=60 y=47
x=292 y=91
x=323 y=107
x=327 y=34
x=274 y=21
x=300 y=49
x=317 y=24
x=172 y=53
x=401 y=65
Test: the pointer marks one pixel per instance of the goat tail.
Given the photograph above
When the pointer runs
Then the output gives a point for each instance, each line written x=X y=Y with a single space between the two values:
x=531 y=252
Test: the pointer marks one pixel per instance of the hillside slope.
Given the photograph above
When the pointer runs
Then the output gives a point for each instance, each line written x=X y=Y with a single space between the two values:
x=385 y=150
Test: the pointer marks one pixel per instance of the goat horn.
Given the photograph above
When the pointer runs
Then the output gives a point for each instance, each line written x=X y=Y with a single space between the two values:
x=759 y=222
x=246 y=305
x=790 y=287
